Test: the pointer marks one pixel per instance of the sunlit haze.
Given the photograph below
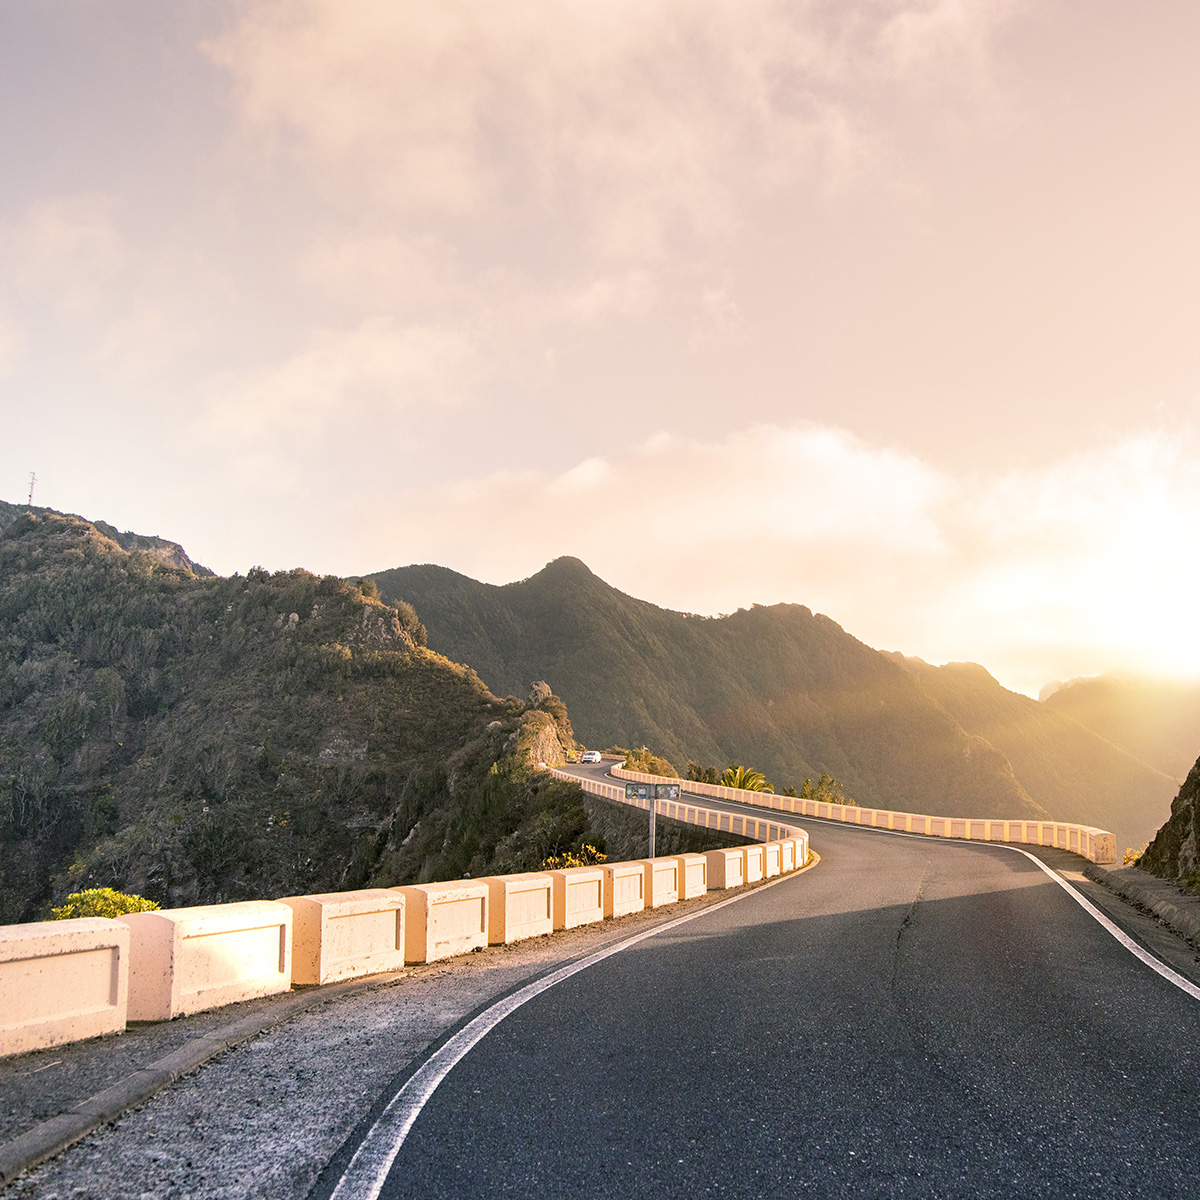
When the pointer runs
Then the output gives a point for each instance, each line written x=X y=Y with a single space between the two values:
x=890 y=310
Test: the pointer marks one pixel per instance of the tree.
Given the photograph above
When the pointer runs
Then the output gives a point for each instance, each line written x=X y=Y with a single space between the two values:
x=746 y=779
x=827 y=790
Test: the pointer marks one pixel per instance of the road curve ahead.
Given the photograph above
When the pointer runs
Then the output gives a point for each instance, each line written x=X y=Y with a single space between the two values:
x=912 y=1018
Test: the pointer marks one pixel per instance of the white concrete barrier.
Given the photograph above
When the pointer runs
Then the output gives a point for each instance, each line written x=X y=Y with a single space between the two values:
x=519 y=906
x=754 y=863
x=662 y=881
x=185 y=960
x=444 y=919
x=726 y=868
x=342 y=935
x=787 y=855
x=624 y=888
x=693 y=875
x=62 y=981
x=577 y=896
x=1098 y=845
x=772 y=860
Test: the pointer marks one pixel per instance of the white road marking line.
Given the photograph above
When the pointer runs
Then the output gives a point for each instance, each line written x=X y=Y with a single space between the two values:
x=368 y=1169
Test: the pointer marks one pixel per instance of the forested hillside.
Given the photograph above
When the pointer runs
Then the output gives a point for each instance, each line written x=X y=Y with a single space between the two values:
x=1155 y=720
x=780 y=688
x=1067 y=768
x=202 y=739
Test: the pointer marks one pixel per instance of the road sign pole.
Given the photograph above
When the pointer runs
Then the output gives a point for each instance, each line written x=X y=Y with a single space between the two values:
x=653 y=806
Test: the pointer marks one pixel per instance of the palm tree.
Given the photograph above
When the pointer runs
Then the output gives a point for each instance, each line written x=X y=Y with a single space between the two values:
x=746 y=779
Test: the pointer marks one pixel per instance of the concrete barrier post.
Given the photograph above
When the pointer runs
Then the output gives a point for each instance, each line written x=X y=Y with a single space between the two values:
x=519 y=906
x=186 y=960
x=62 y=981
x=726 y=868
x=754 y=863
x=444 y=919
x=772 y=860
x=693 y=875
x=624 y=888
x=342 y=935
x=787 y=855
x=577 y=896
x=662 y=881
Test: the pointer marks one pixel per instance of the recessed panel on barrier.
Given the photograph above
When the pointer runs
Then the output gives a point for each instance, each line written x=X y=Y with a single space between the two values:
x=624 y=888
x=662 y=881
x=186 y=960
x=754 y=863
x=444 y=919
x=519 y=906
x=726 y=868
x=693 y=875
x=342 y=935
x=62 y=981
x=577 y=896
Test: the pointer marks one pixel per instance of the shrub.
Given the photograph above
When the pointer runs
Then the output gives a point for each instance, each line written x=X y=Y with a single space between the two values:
x=650 y=764
x=101 y=902
x=586 y=856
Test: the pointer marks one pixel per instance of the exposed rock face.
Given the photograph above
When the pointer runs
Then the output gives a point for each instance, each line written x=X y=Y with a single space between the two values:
x=1174 y=851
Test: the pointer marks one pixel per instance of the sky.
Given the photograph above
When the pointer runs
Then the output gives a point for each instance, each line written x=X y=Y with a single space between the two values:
x=890 y=308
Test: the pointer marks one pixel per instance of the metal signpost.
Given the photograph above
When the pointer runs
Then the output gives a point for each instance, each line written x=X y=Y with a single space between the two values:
x=642 y=791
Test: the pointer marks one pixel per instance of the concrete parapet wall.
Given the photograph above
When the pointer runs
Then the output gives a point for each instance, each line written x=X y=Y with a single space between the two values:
x=726 y=868
x=662 y=881
x=693 y=875
x=519 y=906
x=787 y=855
x=1098 y=845
x=754 y=863
x=61 y=981
x=624 y=888
x=577 y=896
x=772 y=860
x=342 y=935
x=444 y=919
x=185 y=960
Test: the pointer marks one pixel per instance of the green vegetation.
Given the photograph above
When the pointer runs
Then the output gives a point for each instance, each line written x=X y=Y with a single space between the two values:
x=746 y=779
x=779 y=686
x=101 y=902
x=649 y=764
x=1076 y=772
x=195 y=739
x=791 y=692
x=827 y=790
x=587 y=856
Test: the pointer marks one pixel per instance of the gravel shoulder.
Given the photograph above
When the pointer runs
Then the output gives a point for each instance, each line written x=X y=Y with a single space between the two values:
x=262 y=1118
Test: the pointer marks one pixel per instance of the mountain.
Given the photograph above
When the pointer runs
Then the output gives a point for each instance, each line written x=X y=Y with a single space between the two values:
x=1157 y=721
x=198 y=739
x=1069 y=769
x=170 y=553
x=1175 y=851
x=779 y=688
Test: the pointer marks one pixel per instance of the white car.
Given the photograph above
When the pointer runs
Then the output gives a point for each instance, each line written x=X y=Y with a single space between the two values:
x=592 y=756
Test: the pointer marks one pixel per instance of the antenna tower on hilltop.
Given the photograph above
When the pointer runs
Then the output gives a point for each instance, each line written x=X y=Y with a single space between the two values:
x=32 y=481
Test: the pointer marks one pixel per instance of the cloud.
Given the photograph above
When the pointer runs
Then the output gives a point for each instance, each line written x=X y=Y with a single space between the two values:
x=346 y=377
x=645 y=127
x=66 y=252
x=1084 y=565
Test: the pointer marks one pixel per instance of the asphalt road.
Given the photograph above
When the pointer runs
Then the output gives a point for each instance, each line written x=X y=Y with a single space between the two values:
x=914 y=1018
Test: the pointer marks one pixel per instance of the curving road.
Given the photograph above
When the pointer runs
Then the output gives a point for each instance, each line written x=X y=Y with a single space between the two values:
x=913 y=1018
